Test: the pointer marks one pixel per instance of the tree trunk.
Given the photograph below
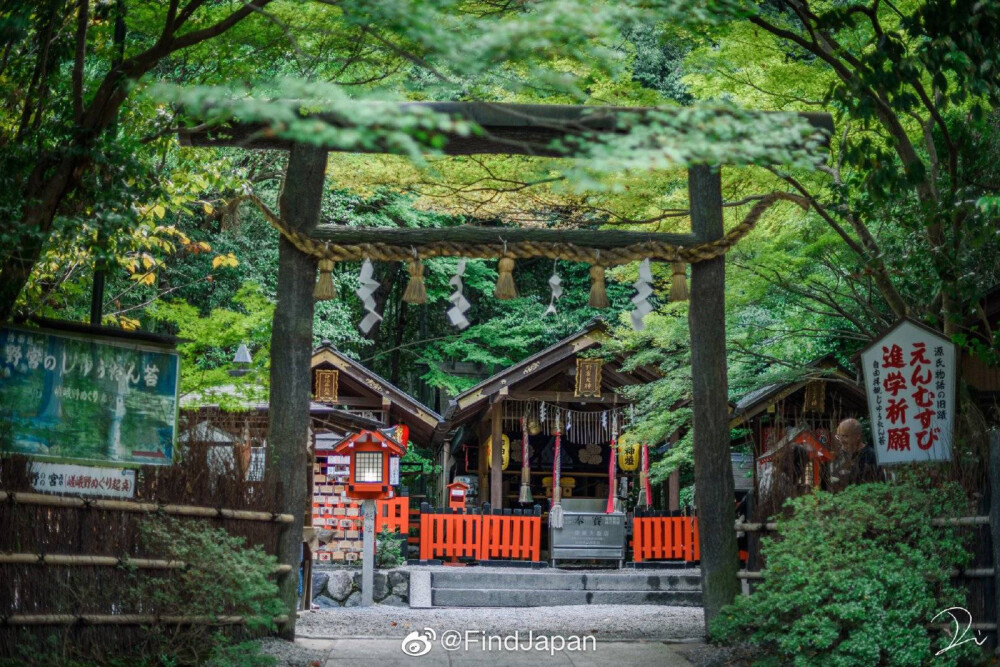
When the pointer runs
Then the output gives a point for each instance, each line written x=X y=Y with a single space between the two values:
x=291 y=354
x=42 y=195
x=713 y=467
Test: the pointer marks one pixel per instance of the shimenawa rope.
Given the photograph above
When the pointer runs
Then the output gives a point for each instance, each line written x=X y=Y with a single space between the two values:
x=664 y=252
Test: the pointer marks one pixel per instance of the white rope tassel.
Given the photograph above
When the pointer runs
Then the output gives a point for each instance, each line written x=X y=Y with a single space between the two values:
x=459 y=304
x=366 y=293
x=643 y=290
x=555 y=283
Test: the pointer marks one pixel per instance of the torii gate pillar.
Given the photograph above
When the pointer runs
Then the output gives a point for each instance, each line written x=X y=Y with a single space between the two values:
x=291 y=355
x=713 y=467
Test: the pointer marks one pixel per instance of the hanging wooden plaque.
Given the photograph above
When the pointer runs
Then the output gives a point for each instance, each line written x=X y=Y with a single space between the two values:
x=815 y=397
x=588 y=377
x=326 y=386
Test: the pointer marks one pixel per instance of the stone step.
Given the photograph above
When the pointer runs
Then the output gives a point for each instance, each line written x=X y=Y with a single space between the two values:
x=488 y=597
x=566 y=581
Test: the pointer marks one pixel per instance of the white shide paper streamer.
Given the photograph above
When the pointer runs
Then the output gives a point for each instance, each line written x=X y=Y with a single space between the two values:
x=555 y=282
x=643 y=290
x=459 y=304
x=366 y=293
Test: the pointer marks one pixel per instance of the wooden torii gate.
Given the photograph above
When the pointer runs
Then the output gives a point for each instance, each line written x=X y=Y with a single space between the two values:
x=515 y=129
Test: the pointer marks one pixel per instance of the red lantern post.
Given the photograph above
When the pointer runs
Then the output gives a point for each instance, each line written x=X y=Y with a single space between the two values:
x=374 y=468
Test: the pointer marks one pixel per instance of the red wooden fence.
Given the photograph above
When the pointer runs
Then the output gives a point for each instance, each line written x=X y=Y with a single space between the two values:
x=516 y=535
x=665 y=538
x=393 y=515
x=511 y=537
x=451 y=535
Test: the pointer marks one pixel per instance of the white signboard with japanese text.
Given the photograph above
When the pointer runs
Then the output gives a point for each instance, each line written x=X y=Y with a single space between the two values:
x=67 y=479
x=910 y=382
x=394 y=470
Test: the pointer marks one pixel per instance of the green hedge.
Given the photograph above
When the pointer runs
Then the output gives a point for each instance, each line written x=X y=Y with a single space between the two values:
x=853 y=579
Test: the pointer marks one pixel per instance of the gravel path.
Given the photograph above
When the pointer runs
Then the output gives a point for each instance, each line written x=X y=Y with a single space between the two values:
x=603 y=621
x=608 y=623
x=299 y=654
x=567 y=570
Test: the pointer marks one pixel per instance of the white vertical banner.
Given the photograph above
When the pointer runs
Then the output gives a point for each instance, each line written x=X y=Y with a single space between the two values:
x=910 y=382
x=393 y=470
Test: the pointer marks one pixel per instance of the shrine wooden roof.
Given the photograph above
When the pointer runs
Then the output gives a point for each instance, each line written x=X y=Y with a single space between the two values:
x=362 y=389
x=758 y=400
x=544 y=377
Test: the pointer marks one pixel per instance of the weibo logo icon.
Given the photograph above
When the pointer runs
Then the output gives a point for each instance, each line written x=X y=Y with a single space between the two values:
x=417 y=644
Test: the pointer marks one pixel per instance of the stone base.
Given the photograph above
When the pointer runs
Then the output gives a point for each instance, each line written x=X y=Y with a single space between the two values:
x=341 y=587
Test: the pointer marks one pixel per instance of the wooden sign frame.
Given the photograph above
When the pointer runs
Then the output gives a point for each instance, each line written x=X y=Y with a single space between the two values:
x=588 y=377
x=327 y=386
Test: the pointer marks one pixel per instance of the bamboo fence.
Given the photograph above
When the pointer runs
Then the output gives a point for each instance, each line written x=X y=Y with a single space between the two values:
x=70 y=566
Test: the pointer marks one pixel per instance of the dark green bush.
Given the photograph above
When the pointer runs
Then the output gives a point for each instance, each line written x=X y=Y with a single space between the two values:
x=854 y=579
x=389 y=549
x=222 y=577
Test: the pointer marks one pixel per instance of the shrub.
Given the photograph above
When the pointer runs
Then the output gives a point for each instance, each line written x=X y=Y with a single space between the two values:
x=854 y=578
x=222 y=577
x=389 y=549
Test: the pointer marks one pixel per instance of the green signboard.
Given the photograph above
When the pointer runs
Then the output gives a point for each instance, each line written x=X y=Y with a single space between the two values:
x=73 y=397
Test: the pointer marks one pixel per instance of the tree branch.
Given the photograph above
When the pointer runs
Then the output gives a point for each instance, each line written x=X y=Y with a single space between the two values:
x=82 y=16
x=196 y=36
x=38 y=72
x=175 y=20
x=943 y=127
x=868 y=250
x=890 y=121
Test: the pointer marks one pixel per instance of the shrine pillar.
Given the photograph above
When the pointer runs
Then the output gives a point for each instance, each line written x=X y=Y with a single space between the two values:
x=496 y=454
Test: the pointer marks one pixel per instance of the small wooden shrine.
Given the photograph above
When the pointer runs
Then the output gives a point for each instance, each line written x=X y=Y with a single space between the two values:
x=342 y=383
x=347 y=399
x=790 y=431
x=355 y=401
x=569 y=390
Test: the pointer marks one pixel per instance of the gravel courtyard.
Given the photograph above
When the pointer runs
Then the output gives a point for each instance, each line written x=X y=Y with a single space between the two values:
x=672 y=632
x=603 y=621
x=624 y=633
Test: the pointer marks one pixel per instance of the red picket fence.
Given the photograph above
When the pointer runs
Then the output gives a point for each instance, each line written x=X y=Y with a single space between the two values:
x=664 y=538
x=503 y=535
x=393 y=515
x=449 y=535
x=511 y=537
